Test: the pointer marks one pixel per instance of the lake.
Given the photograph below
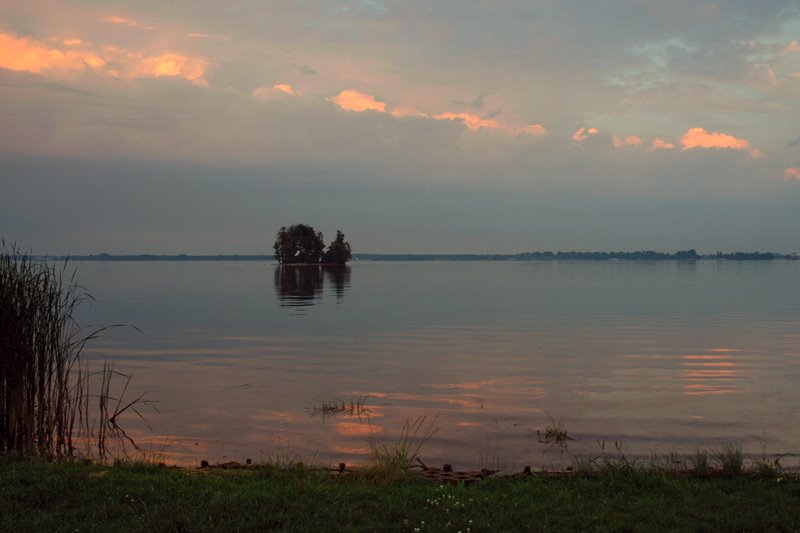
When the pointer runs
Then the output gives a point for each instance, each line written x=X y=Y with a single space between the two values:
x=657 y=357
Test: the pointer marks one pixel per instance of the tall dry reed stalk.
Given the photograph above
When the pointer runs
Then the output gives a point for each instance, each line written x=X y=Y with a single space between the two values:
x=44 y=387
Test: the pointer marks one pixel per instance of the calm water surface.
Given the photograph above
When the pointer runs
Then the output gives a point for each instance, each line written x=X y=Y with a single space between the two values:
x=662 y=357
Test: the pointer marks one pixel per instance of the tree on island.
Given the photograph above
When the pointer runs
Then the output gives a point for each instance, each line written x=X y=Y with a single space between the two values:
x=338 y=252
x=298 y=244
x=301 y=244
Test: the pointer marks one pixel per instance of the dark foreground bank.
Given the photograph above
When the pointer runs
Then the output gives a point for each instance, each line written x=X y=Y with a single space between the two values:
x=36 y=496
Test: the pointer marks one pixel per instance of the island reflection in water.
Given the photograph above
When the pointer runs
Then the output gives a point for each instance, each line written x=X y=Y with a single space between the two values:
x=303 y=285
x=655 y=356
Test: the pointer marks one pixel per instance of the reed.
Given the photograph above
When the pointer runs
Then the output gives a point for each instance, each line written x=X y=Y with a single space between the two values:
x=399 y=457
x=46 y=406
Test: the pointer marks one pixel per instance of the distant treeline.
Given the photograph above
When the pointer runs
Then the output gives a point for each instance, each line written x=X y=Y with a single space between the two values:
x=650 y=255
x=644 y=255
x=156 y=257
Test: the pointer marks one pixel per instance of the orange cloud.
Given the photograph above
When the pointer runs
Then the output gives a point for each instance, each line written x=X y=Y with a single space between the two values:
x=700 y=138
x=23 y=54
x=122 y=21
x=583 y=133
x=170 y=65
x=352 y=100
x=208 y=36
x=630 y=140
x=660 y=144
x=473 y=122
x=532 y=129
x=279 y=89
x=284 y=88
x=407 y=111
x=94 y=61
x=792 y=174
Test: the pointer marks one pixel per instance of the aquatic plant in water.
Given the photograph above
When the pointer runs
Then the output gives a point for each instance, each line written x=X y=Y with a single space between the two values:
x=357 y=408
x=44 y=387
x=399 y=456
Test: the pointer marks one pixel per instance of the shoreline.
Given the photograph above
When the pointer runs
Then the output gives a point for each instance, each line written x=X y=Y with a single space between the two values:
x=39 y=496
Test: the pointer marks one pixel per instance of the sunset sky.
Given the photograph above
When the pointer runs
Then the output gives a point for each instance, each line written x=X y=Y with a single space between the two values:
x=414 y=127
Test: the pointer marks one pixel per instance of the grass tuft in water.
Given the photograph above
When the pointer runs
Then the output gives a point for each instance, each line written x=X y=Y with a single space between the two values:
x=357 y=408
x=555 y=434
x=391 y=460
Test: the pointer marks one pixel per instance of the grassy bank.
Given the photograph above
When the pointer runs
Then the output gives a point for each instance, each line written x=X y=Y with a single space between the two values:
x=36 y=496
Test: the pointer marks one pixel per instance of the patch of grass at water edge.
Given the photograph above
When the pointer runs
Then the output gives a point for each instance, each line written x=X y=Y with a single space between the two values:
x=394 y=459
x=38 y=496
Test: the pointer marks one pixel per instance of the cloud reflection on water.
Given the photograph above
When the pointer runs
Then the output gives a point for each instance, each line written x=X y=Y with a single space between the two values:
x=239 y=382
x=714 y=373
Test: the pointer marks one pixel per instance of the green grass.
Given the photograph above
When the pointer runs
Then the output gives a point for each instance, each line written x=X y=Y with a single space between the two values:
x=36 y=496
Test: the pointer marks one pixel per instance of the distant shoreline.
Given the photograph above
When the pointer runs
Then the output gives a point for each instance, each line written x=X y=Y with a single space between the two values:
x=647 y=255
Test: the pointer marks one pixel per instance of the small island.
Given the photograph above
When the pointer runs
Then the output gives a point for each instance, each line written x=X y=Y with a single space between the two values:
x=300 y=244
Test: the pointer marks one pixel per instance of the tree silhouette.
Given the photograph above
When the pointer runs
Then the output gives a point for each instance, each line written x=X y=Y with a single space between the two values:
x=338 y=252
x=298 y=244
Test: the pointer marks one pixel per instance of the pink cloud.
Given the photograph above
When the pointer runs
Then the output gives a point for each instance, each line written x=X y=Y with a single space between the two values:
x=532 y=129
x=473 y=122
x=630 y=140
x=792 y=174
x=352 y=100
x=700 y=138
x=660 y=144
x=583 y=133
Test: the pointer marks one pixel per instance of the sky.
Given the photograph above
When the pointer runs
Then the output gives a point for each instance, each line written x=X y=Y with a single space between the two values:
x=202 y=127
